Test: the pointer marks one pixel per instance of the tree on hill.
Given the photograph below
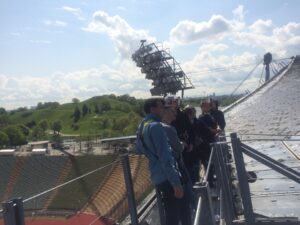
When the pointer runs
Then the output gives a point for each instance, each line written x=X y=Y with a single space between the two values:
x=127 y=98
x=25 y=130
x=15 y=135
x=37 y=133
x=45 y=105
x=85 y=109
x=103 y=123
x=120 y=123
x=76 y=114
x=105 y=106
x=43 y=124
x=75 y=100
x=2 y=111
x=139 y=108
x=21 y=109
x=31 y=124
x=4 y=140
x=4 y=121
x=96 y=110
x=56 y=126
x=123 y=107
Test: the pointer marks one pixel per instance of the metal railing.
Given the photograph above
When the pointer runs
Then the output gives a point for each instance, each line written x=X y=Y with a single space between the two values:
x=235 y=208
x=13 y=212
x=217 y=205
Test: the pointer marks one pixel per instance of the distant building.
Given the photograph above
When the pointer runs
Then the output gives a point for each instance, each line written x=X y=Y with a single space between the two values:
x=38 y=145
x=7 y=151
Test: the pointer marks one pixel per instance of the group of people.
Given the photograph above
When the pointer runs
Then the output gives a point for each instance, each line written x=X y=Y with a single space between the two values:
x=176 y=143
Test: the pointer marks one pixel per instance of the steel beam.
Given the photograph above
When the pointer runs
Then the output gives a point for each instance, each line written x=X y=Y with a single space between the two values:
x=242 y=178
x=129 y=189
x=273 y=164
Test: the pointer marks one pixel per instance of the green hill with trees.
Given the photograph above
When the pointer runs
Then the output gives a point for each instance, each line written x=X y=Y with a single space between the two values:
x=104 y=116
x=101 y=116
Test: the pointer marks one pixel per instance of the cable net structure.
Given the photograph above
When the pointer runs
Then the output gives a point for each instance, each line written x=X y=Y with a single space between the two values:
x=160 y=67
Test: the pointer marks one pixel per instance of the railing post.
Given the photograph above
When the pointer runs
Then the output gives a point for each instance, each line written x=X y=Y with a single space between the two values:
x=19 y=211
x=224 y=183
x=129 y=189
x=243 y=180
x=206 y=214
x=9 y=213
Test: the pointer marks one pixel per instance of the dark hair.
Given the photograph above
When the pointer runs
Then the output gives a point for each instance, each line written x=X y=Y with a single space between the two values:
x=152 y=103
x=217 y=103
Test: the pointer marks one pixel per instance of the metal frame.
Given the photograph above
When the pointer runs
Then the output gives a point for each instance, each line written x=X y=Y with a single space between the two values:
x=220 y=158
x=273 y=164
x=13 y=211
x=242 y=178
x=204 y=213
x=250 y=217
x=130 y=191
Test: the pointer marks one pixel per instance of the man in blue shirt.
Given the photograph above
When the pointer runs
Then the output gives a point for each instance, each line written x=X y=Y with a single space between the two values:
x=152 y=141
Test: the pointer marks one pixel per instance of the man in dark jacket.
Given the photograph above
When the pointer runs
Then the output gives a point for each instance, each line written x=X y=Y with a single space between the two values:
x=217 y=114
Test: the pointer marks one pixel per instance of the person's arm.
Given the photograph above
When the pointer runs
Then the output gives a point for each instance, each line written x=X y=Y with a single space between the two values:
x=174 y=140
x=222 y=120
x=164 y=154
x=205 y=132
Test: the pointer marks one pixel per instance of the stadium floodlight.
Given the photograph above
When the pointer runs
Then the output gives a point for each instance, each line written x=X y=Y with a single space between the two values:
x=158 y=65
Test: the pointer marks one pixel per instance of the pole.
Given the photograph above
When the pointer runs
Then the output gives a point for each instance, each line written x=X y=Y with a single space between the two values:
x=242 y=178
x=129 y=189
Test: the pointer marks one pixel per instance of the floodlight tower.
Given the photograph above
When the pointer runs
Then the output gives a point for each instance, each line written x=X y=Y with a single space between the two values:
x=160 y=67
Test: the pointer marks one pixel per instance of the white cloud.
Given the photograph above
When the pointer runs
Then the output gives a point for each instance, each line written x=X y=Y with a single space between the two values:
x=3 y=81
x=213 y=47
x=262 y=26
x=125 y=39
x=246 y=42
x=282 y=42
x=75 y=11
x=239 y=13
x=186 y=31
x=220 y=74
x=289 y=30
x=55 y=23
x=62 y=87
x=127 y=86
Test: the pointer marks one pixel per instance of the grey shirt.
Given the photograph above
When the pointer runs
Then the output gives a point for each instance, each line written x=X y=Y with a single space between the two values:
x=173 y=140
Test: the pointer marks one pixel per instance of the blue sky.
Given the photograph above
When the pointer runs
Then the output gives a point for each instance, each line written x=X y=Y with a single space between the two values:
x=55 y=50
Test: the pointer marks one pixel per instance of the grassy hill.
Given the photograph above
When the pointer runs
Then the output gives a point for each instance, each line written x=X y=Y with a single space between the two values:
x=106 y=116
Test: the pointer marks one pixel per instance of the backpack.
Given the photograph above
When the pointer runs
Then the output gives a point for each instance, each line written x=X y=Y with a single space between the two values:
x=140 y=147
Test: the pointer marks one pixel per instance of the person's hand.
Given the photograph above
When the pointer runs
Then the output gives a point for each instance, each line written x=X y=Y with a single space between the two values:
x=214 y=131
x=178 y=191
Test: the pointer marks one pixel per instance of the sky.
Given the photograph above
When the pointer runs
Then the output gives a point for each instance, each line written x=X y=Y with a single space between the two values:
x=56 y=50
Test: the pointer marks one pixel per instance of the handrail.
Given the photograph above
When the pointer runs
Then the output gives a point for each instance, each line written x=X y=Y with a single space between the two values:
x=208 y=165
x=268 y=139
x=198 y=212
